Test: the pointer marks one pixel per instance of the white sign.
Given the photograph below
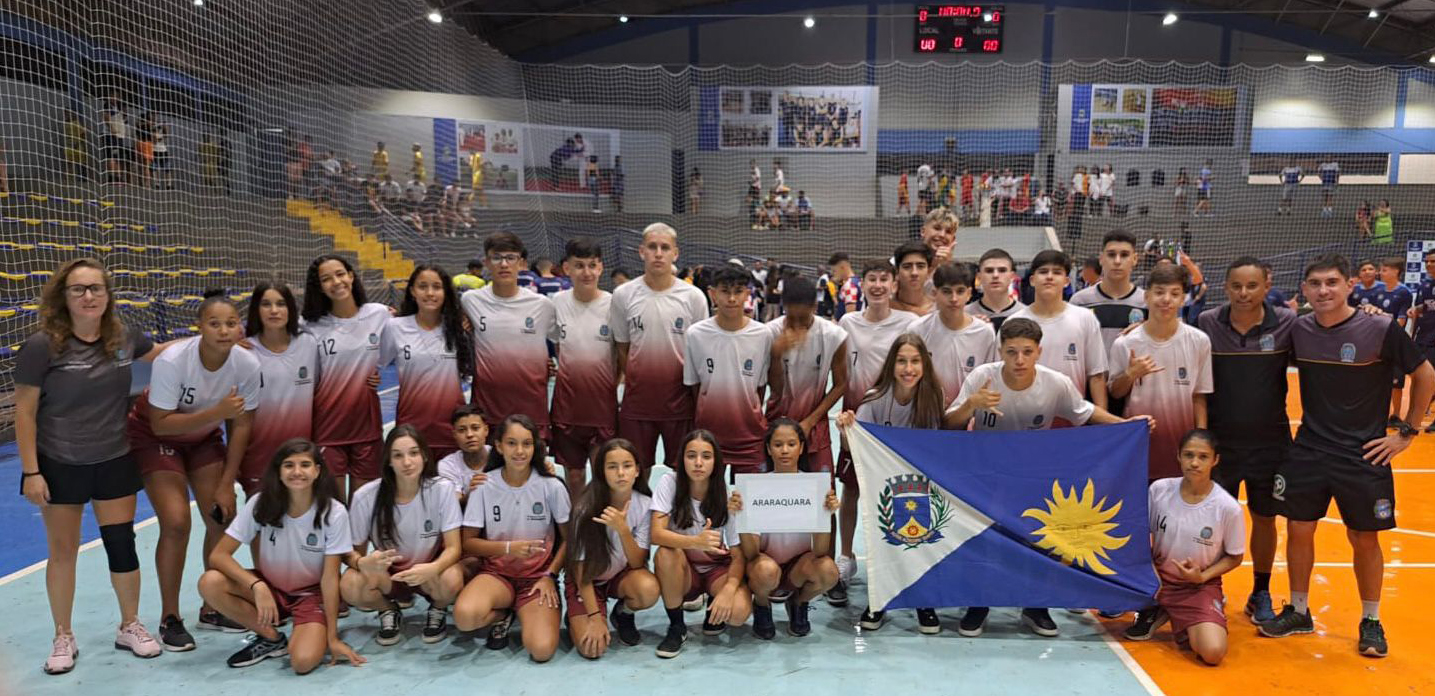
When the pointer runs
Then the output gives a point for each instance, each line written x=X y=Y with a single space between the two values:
x=783 y=503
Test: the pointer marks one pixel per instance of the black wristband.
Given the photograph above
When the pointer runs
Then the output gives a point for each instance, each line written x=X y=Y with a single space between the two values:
x=553 y=577
x=28 y=474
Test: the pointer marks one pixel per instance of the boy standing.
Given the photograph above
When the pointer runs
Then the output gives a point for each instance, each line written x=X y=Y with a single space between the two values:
x=958 y=343
x=996 y=270
x=1396 y=301
x=1369 y=287
x=585 y=391
x=914 y=264
x=1114 y=299
x=1071 y=336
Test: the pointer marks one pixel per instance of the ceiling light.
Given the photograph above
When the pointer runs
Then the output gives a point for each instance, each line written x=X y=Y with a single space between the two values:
x=809 y=22
x=199 y=3
x=1169 y=19
x=1314 y=58
x=623 y=18
x=1432 y=59
x=435 y=16
x=1373 y=14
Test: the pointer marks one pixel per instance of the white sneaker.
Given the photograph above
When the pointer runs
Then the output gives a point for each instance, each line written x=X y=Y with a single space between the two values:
x=134 y=638
x=846 y=568
x=696 y=604
x=62 y=654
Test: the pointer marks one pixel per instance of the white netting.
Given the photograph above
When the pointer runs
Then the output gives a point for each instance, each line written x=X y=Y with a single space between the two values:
x=252 y=96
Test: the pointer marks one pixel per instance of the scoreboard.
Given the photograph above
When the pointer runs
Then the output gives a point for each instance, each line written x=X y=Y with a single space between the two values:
x=960 y=28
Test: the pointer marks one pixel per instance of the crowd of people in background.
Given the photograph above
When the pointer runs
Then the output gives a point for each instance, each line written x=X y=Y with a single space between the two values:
x=777 y=210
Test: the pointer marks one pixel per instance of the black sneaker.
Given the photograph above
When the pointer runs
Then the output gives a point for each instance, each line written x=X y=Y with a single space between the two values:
x=837 y=596
x=715 y=629
x=973 y=622
x=212 y=620
x=1430 y=428
x=1039 y=621
x=1147 y=621
x=872 y=620
x=498 y=633
x=1288 y=622
x=173 y=636
x=1372 y=638
x=797 y=621
x=435 y=624
x=672 y=644
x=927 y=622
x=258 y=650
x=762 y=625
x=626 y=623
x=391 y=627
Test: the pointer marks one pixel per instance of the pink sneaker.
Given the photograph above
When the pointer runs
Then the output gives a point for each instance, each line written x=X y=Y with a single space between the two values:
x=62 y=655
x=134 y=638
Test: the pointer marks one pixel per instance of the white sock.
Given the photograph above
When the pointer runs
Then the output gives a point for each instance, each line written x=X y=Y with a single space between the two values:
x=1370 y=610
x=1301 y=602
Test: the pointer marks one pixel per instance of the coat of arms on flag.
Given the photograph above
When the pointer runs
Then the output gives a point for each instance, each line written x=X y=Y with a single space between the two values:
x=912 y=511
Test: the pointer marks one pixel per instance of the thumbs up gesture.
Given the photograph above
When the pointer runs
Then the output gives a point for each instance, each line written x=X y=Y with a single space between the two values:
x=986 y=399
x=231 y=406
x=710 y=540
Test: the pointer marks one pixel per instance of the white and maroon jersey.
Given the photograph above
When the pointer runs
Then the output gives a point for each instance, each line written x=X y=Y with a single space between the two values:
x=639 y=516
x=454 y=469
x=730 y=369
x=180 y=383
x=867 y=346
x=886 y=410
x=654 y=324
x=1185 y=362
x=346 y=408
x=806 y=371
x=1071 y=343
x=510 y=338
x=529 y=512
x=586 y=390
x=429 y=385
x=663 y=501
x=1050 y=396
x=956 y=353
x=286 y=398
x=291 y=557
x=1204 y=532
x=419 y=524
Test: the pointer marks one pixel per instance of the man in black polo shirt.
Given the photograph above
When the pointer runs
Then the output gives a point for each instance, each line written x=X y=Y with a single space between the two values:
x=1250 y=350
x=1346 y=359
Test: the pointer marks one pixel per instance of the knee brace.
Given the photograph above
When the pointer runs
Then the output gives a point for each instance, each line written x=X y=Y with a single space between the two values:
x=119 y=541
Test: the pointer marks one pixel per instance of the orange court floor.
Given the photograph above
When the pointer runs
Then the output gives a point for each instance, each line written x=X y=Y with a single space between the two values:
x=1325 y=662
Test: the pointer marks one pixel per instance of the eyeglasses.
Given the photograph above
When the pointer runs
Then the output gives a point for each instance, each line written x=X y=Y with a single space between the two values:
x=98 y=290
x=504 y=258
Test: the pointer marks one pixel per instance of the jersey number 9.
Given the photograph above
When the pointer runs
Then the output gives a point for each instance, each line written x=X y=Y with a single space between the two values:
x=710 y=365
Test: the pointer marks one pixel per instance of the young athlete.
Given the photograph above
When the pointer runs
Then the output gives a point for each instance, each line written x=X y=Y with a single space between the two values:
x=914 y=265
x=1115 y=300
x=1395 y=301
x=939 y=234
x=288 y=366
x=198 y=384
x=728 y=363
x=958 y=343
x=1424 y=314
x=1163 y=369
x=1250 y=349
x=1071 y=335
x=995 y=271
x=1346 y=358
x=585 y=392
x=813 y=352
x=1369 y=287
x=649 y=318
x=349 y=330
x=1198 y=534
x=907 y=394
x=465 y=468
x=610 y=534
x=300 y=531
x=72 y=382
x=846 y=286
x=696 y=535
x=411 y=517
x=870 y=334
x=510 y=337
x=793 y=568
x=1020 y=393
x=433 y=354
x=511 y=523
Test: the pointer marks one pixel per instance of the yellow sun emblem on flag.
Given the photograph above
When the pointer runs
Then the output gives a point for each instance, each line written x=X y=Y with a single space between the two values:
x=1075 y=528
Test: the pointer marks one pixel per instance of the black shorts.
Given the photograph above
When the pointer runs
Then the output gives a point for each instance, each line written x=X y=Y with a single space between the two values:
x=1364 y=492
x=1257 y=467
x=77 y=484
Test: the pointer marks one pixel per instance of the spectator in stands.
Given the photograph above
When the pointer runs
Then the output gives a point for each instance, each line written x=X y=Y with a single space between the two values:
x=163 y=167
x=455 y=209
x=113 y=148
x=1362 y=219
x=967 y=203
x=1204 y=181
x=772 y=215
x=391 y=194
x=1382 y=225
x=904 y=200
x=786 y=208
x=379 y=162
x=986 y=189
x=1078 y=191
x=209 y=164
x=754 y=180
x=757 y=213
x=144 y=148
x=926 y=197
x=779 y=179
x=617 y=184
x=306 y=162
x=806 y=216
x=547 y=283
x=1290 y=177
x=420 y=172
x=1041 y=209
x=472 y=279
x=432 y=208
x=579 y=158
x=557 y=160
x=77 y=148
x=695 y=192
x=619 y=276
x=592 y=180
x=1106 y=183
x=1005 y=193
x=1329 y=177
x=1183 y=181
x=1090 y=273
x=331 y=166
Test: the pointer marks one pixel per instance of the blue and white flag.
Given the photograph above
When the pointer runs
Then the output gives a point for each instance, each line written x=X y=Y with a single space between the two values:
x=1049 y=518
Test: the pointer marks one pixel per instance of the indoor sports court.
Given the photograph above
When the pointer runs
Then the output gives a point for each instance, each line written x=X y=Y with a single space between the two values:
x=200 y=148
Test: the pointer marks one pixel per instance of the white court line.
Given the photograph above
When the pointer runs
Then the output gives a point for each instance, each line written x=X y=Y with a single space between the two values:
x=1389 y=565
x=1130 y=662
x=34 y=567
x=1413 y=471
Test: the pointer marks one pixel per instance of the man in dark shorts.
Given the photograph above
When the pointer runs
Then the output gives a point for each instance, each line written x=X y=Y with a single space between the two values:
x=1250 y=349
x=1346 y=359
x=1424 y=313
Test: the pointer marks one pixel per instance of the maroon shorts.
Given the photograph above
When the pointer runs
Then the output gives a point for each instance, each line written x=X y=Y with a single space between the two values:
x=847 y=471
x=358 y=459
x=522 y=588
x=699 y=583
x=1189 y=604
x=574 y=444
x=644 y=434
x=307 y=607
x=785 y=584
x=154 y=454
x=571 y=593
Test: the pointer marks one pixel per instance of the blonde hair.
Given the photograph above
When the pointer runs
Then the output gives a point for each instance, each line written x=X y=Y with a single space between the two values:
x=942 y=217
x=55 y=311
x=660 y=228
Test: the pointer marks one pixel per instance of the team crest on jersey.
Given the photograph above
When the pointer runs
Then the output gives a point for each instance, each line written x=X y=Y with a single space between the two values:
x=1206 y=532
x=373 y=339
x=1135 y=317
x=912 y=511
x=428 y=525
x=603 y=331
x=1180 y=374
x=1347 y=353
x=971 y=361
x=538 y=508
x=122 y=354
x=678 y=325
x=1268 y=343
x=747 y=366
x=1278 y=490
x=1038 y=420
x=312 y=539
x=528 y=325
x=1384 y=509
x=303 y=372
x=1071 y=349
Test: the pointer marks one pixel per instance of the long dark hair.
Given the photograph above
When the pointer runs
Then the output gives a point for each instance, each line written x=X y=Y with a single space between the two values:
x=254 y=324
x=316 y=303
x=273 y=504
x=803 y=459
x=451 y=315
x=382 y=525
x=714 y=504
x=928 y=401
x=593 y=547
x=540 y=451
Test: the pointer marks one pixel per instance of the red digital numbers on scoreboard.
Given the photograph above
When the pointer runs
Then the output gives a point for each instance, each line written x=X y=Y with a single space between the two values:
x=959 y=11
x=927 y=45
x=996 y=17
x=959 y=28
x=991 y=46
x=957 y=42
x=922 y=16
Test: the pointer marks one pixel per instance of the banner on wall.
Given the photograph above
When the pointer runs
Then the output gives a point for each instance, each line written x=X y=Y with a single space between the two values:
x=503 y=156
x=1133 y=117
x=1415 y=261
x=795 y=119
